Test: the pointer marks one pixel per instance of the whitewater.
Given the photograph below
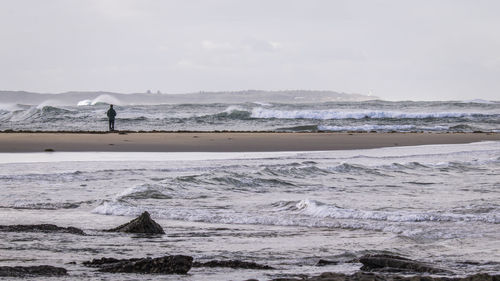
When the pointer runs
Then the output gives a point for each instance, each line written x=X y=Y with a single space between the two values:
x=365 y=116
x=439 y=203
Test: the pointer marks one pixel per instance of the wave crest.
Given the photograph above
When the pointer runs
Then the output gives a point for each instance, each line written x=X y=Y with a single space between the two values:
x=102 y=99
x=260 y=112
x=321 y=210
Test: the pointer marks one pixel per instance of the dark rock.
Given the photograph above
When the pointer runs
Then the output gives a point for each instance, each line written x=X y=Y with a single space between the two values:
x=323 y=262
x=39 y=270
x=142 y=224
x=46 y=228
x=177 y=264
x=391 y=263
x=232 y=264
x=366 y=276
x=104 y=261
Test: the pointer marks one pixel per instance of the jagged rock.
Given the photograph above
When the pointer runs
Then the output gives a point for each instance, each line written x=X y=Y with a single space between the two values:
x=142 y=224
x=39 y=270
x=104 y=261
x=366 y=276
x=45 y=228
x=232 y=264
x=391 y=263
x=177 y=264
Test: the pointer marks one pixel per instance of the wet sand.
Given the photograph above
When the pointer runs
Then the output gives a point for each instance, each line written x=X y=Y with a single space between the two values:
x=225 y=141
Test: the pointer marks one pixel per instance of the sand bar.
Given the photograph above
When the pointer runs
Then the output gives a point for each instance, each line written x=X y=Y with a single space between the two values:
x=226 y=142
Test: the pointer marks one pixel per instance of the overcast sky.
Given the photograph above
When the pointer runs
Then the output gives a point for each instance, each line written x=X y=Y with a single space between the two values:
x=420 y=50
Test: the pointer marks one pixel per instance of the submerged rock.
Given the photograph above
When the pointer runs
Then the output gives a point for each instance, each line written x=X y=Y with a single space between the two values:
x=365 y=276
x=45 y=228
x=177 y=264
x=232 y=264
x=39 y=270
x=391 y=263
x=142 y=224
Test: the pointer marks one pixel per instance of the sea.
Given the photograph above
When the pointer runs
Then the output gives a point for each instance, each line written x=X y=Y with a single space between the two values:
x=364 y=116
x=288 y=210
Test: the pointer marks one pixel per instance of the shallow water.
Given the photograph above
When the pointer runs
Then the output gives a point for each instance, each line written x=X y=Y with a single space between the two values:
x=439 y=203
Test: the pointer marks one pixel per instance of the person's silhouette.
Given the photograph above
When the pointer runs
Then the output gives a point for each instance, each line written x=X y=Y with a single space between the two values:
x=111 y=116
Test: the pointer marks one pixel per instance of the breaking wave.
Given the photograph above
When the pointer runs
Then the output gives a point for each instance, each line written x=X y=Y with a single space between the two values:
x=234 y=112
x=333 y=114
x=102 y=99
x=36 y=112
x=90 y=115
x=321 y=210
x=308 y=213
x=145 y=191
x=367 y=128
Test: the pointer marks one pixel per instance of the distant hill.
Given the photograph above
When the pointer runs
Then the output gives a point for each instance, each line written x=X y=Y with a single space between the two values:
x=74 y=98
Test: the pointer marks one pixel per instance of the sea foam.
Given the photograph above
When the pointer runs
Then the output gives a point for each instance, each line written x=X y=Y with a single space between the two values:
x=260 y=112
x=107 y=99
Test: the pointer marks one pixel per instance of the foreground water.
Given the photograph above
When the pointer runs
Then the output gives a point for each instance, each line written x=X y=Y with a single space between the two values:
x=439 y=203
x=381 y=116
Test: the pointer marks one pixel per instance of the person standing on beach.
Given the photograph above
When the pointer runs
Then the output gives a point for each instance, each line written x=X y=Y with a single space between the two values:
x=111 y=116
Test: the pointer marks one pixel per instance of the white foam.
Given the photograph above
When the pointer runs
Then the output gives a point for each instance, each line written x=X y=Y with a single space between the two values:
x=278 y=219
x=372 y=128
x=52 y=102
x=9 y=107
x=317 y=209
x=84 y=103
x=262 y=103
x=260 y=112
x=100 y=99
x=117 y=209
x=233 y=108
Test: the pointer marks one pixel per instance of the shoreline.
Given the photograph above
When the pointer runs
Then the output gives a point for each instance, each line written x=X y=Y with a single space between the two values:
x=224 y=141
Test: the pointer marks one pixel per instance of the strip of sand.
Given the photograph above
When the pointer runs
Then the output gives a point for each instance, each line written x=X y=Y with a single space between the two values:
x=226 y=141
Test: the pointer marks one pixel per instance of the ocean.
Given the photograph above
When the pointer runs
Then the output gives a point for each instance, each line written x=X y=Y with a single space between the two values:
x=437 y=203
x=288 y=210
x=362 y=116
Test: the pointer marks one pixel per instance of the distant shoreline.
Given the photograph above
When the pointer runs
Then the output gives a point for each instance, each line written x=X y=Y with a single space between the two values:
x=126 y=141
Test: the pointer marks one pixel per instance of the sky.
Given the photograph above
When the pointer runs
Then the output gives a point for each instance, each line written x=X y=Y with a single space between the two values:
x=397 y=50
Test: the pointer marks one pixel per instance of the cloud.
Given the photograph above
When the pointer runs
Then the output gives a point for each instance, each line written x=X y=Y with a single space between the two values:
x=243 y=46
x=256 y=45
x=400 y=49
x=217 y=46
x=120 y=9
x=214 y=54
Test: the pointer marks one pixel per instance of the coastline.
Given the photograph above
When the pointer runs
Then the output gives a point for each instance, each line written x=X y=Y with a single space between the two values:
x=224 y=141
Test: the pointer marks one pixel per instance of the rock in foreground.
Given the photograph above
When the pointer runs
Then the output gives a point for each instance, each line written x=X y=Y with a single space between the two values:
x=45 y=228
x=177 y=264
x=391 y=263
x=24 y=271
x=142 y=224
x=232 y=264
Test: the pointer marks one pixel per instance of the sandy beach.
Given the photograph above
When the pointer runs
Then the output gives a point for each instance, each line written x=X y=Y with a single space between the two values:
x=226 y=141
